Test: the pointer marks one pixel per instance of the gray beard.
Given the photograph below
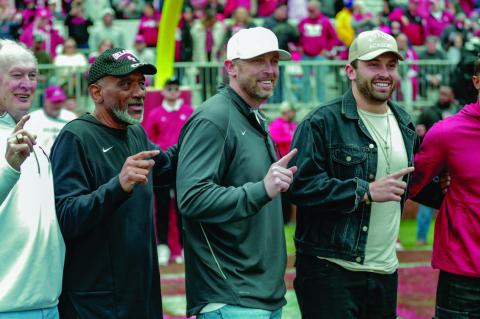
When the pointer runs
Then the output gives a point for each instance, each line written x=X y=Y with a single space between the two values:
x=125 y=117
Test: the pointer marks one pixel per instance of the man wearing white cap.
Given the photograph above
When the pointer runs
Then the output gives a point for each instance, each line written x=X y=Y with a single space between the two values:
x=228 y=185
x=354 y=162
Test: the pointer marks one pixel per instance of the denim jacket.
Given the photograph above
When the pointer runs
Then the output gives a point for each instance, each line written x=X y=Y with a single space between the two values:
x=336 y=160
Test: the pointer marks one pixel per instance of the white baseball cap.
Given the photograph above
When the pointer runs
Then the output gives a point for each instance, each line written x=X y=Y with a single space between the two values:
x=252 y=42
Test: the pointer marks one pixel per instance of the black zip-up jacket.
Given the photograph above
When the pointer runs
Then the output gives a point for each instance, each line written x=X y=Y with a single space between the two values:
x=234 y=239
x=336 y=160
x=111 y=268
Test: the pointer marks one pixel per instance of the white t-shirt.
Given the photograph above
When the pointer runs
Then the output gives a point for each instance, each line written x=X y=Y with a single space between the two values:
x=47 y=128
x=380 y=252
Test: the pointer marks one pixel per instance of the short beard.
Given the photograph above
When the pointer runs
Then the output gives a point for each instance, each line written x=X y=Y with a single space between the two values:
x=124 y=117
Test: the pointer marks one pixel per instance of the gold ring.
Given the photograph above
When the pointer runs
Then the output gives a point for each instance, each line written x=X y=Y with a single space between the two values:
x=19 y=138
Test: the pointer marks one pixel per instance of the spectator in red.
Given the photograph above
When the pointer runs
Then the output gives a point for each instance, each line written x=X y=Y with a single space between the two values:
x=42 y=25
x=317 y=38
x=411 y=22
x=266 y=8
x=163 y=126
x=437 y=20
x=148 y=26
x=231 y=5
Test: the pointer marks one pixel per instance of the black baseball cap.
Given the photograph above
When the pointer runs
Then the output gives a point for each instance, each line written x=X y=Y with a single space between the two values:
x=172 y=80
x=117 y=62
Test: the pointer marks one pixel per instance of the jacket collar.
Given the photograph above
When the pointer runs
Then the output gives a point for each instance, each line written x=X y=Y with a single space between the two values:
x=247 y=110
x=349 y=108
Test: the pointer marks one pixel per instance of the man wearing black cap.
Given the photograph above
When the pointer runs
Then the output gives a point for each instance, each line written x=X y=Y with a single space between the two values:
x=103 y=167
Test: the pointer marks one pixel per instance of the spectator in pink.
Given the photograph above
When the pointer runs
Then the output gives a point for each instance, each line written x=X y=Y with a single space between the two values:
x=266 y=8
x=43 y=26
x=282 y=128
x=148 y=26
x=28 y=13
x=437 y=19
x=231 y=5
x=163 y=126
x=317 y=38
x=411 y=22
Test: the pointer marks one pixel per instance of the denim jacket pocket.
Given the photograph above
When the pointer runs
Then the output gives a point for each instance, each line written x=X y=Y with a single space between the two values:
x=348 y=161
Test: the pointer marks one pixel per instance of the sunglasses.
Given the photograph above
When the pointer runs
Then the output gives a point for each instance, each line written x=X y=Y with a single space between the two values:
x=172 y=88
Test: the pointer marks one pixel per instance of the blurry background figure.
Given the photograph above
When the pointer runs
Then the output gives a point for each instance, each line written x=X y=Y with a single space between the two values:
x=10 y=20
x=288 y=37
x=241 y=19
x=77 y=24
x=128 y=9
x=431 y=76
x=208 y=35
x=148 y=26
x=42 y=25
x=163 y=126
x=281 y=130
x=144 y=54
x=47 y=122
x=103 y=46
x=107 y=30
x=68 y=63
x=408 y=87
x=445 y=107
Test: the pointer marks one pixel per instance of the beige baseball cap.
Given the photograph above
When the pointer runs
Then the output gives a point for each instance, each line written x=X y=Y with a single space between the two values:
x=252 y=42
x=370 y=44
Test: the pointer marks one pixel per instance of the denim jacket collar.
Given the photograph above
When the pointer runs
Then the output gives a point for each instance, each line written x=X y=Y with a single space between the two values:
x=349 y=109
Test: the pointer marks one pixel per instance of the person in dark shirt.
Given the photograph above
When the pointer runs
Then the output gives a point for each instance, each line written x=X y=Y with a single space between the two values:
x=104 y=166
x=228 y=185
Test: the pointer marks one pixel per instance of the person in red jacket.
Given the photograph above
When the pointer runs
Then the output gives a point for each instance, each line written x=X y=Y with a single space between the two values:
x=163 y=126
x=317 y=38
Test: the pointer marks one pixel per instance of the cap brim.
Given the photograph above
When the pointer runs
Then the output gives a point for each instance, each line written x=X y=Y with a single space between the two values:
x=374 y=54
x=145 y=68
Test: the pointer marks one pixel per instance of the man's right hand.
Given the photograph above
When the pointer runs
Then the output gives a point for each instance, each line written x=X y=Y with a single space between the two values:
x=135 y=169
x=279 y=177
x=390 y=187
x=20 y=144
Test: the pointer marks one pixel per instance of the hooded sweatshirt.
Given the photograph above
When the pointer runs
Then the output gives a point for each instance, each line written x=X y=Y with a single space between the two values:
x=453 y=145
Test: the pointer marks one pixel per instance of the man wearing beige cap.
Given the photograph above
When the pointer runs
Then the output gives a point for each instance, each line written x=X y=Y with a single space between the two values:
x=228 y=183
x=354 y=160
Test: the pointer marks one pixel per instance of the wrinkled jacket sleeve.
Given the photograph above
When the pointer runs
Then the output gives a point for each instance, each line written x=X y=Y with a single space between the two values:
x=8 y=177
x=430 y=161
x=201 y=165
x=312 y=186
x=80 y=204
x=164 y=170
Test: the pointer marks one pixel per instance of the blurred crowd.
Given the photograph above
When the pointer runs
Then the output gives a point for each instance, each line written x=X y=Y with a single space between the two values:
x=70 y=33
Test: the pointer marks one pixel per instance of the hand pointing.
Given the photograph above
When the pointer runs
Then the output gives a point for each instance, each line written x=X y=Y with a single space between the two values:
x=279 y=177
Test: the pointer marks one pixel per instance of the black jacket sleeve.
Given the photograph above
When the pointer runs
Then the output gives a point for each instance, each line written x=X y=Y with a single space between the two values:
x=80 y=204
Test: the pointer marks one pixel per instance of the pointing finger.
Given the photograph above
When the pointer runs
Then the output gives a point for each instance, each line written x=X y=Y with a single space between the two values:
x=21 y=123
x=402 y=172
x=145 y=154
x=284 y=160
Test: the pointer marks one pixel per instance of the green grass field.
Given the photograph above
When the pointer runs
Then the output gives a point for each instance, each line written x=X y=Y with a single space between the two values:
x=408 y=237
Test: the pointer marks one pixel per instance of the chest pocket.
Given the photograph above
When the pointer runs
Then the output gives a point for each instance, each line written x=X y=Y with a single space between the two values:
x=348 y=161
